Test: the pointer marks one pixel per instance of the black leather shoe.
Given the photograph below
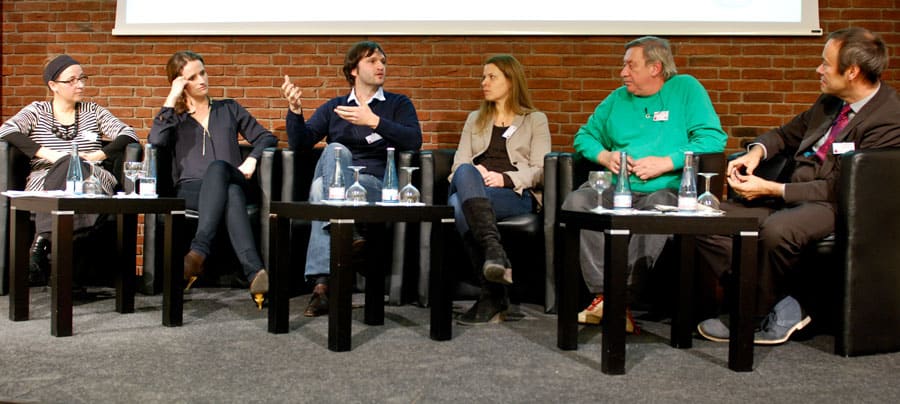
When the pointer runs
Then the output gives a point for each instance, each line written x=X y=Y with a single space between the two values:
x=39 y=262
x=318 y=303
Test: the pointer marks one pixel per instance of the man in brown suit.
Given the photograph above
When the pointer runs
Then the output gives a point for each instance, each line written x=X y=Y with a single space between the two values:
x=855 y=111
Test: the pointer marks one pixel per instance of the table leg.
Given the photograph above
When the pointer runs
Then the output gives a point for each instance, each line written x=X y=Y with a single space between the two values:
x=18 y=278
x=740 y=346
x=440 y=284
x=682 y=323
x=569 y=274
x=373 y=311
x=61 y=275
x=614 y=294
x=279 y=264
x=341 y=287
x=173 y=271
x=126 y=226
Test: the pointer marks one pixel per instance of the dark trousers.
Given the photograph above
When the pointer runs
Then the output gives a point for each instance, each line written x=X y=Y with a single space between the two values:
x=784 y=231
x=222 y=195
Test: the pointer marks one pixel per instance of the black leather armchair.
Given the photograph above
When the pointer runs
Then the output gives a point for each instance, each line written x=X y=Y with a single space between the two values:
x=573 y=171
x=528 y=238
x=851 y=278
x=290 y=174
x=223 y=259
x=15 y=166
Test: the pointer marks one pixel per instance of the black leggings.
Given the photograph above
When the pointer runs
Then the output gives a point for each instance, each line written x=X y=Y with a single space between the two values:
x=222 y=194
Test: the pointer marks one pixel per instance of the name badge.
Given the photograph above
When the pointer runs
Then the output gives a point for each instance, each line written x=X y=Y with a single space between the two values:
x=509 y=131
x=91 y=136
x=660 y=116
x=374 y=137
x=842 y=147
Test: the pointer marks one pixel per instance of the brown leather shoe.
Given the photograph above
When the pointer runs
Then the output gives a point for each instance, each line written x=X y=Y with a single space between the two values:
x=318 y=303
x=193 y=267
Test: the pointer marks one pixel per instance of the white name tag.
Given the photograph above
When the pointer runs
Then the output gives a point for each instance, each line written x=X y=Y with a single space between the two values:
x=842 y=147
x=509 y=131
x=91 y=136
x=374 y=137
x=660 y=116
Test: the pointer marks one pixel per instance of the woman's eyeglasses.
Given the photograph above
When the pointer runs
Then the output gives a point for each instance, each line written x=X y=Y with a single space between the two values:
x=72 y=81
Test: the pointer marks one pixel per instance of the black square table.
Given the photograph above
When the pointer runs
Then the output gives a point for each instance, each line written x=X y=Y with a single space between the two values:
x=63 y=210
x=617 y=230
x=342 y=219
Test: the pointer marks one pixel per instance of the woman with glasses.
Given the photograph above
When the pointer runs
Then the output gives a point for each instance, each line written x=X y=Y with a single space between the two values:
x=210 y=173
x=46 y=130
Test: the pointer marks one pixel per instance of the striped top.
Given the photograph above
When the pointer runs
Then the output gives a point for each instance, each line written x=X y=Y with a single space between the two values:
x=94 y=123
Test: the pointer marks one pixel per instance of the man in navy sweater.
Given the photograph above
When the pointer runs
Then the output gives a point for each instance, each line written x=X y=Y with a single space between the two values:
x=360 y=126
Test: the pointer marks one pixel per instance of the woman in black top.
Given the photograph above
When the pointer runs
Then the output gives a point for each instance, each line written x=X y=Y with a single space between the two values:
x=209 y=173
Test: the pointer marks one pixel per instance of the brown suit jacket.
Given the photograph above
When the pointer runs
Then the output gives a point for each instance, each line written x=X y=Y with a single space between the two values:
x=876 y=125
x=526 y=148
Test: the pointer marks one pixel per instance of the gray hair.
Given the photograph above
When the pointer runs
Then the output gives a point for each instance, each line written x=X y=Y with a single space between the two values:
x=656 y=50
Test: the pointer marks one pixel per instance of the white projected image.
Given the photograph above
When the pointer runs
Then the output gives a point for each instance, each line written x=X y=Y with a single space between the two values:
x=463 y=17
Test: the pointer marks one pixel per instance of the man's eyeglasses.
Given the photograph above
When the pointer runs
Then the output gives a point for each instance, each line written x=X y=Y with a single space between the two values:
x=72 y=81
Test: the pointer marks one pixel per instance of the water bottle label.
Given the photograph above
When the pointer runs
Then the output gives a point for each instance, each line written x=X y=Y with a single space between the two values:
x=148 y=186
x=336 y=193
x=390 y=195
x=622 y=201
x=74 y=187
x=687 y=203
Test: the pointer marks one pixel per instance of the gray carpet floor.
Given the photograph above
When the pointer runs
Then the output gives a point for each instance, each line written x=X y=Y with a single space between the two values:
x=223 y=354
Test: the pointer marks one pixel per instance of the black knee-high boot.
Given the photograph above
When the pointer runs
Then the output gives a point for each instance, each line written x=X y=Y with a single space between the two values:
x=492 y=303
x=39 y=262
x=481 y=220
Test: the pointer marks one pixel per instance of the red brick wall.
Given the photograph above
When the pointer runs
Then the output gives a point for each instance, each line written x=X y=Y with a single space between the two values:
x=754 y=82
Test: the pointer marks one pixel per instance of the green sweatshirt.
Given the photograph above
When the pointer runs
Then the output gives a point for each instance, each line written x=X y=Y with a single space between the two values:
x=638 y=125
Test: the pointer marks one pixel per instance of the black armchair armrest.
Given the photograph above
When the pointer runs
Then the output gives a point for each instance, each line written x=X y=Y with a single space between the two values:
x=866 y=234
x=15 y=166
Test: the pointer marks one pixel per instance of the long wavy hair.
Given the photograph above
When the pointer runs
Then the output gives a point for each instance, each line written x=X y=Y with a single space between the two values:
x=173 y=70
x=519 y=101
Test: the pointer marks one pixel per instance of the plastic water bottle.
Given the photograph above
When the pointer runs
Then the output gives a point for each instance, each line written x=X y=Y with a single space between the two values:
x=336 y=188
x=389 y=189
x=622 y=194
x=687 y=192
x=148 y=180
x=74 y=177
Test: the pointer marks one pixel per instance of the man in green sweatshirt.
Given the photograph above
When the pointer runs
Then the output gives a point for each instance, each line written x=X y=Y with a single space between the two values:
x=655 y=117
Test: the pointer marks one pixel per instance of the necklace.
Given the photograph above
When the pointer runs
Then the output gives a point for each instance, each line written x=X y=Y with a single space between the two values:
x=64 y=132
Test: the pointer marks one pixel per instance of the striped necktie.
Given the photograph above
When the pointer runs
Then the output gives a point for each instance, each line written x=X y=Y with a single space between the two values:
x=839 y=124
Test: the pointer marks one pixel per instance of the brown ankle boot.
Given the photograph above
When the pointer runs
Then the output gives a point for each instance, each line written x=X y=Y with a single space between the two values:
x=193 y=267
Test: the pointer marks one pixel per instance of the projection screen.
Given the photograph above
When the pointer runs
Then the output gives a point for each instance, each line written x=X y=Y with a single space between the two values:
x=467 y=17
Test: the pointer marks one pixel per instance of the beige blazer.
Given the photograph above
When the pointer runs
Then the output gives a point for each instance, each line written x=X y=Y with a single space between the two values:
x=526 y=147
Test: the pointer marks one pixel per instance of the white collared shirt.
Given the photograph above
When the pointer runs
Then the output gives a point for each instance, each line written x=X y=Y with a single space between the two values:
x=379 y=95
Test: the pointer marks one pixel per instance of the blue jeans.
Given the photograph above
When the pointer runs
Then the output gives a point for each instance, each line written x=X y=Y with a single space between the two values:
x=468 y=183
x=318 y=253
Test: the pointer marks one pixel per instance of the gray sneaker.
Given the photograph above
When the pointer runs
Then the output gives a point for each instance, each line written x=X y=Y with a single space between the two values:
x=785 y=318
x=714 y=330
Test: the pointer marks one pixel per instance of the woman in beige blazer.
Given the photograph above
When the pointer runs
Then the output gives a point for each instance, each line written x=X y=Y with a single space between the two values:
x=499 y=162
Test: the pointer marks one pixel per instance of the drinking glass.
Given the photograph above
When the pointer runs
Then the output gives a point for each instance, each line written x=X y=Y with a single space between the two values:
x=132 y=170
x=91 y=186
x=356 y=193
x=708 y=199
x=409 y=193
x=600 y=181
